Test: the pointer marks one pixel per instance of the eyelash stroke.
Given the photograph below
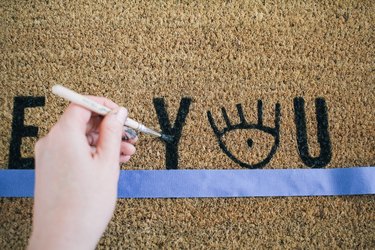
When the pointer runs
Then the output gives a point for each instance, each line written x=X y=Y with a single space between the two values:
x=243 y=124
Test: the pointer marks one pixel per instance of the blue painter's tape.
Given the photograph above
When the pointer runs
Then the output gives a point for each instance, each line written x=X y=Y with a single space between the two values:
x=17 y=183
x=219 y=183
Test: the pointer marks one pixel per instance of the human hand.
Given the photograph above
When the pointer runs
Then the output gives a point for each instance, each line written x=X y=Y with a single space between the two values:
x=76 y=177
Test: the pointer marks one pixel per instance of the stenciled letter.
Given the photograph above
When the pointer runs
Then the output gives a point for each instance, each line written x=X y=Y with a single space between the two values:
x=171 y=153
x=323 y=135
x=19 y=130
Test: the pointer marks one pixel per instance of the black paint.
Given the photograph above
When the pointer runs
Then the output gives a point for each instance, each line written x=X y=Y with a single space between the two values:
x=275 y=132
x=323 y=135
x=171 y=152
x=260 y=112
x=240 y=113
x=20 y=130
x=167 y=138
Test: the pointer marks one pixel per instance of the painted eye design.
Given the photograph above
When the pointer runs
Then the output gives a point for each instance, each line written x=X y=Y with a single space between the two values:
x=243 y=125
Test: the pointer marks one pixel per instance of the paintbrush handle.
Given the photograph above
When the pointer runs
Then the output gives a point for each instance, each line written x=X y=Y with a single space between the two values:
x=93 y=106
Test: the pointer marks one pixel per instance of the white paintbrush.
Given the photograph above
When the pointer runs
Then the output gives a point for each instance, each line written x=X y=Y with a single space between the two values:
x=93 y=106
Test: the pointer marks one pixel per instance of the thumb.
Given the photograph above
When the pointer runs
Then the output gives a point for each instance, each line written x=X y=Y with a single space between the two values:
x=110 y=132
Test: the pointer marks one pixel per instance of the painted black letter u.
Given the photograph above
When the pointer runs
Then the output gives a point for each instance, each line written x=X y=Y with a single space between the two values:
x=323 y=135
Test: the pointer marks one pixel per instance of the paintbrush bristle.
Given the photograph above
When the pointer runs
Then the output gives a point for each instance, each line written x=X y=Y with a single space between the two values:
x=166 y=138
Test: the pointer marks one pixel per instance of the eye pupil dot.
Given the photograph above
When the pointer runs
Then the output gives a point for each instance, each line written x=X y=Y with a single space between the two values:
x=250 y=142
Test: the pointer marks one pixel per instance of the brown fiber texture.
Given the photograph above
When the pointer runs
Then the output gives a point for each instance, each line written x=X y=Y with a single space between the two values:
x=219 y=54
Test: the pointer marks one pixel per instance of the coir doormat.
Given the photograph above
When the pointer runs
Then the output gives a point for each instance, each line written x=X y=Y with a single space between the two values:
x=265 y=85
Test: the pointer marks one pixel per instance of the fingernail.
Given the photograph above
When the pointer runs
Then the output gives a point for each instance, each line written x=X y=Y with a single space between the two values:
x=121 y=115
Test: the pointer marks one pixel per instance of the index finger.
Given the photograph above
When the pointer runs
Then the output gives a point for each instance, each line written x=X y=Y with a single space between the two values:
x=78 y=117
